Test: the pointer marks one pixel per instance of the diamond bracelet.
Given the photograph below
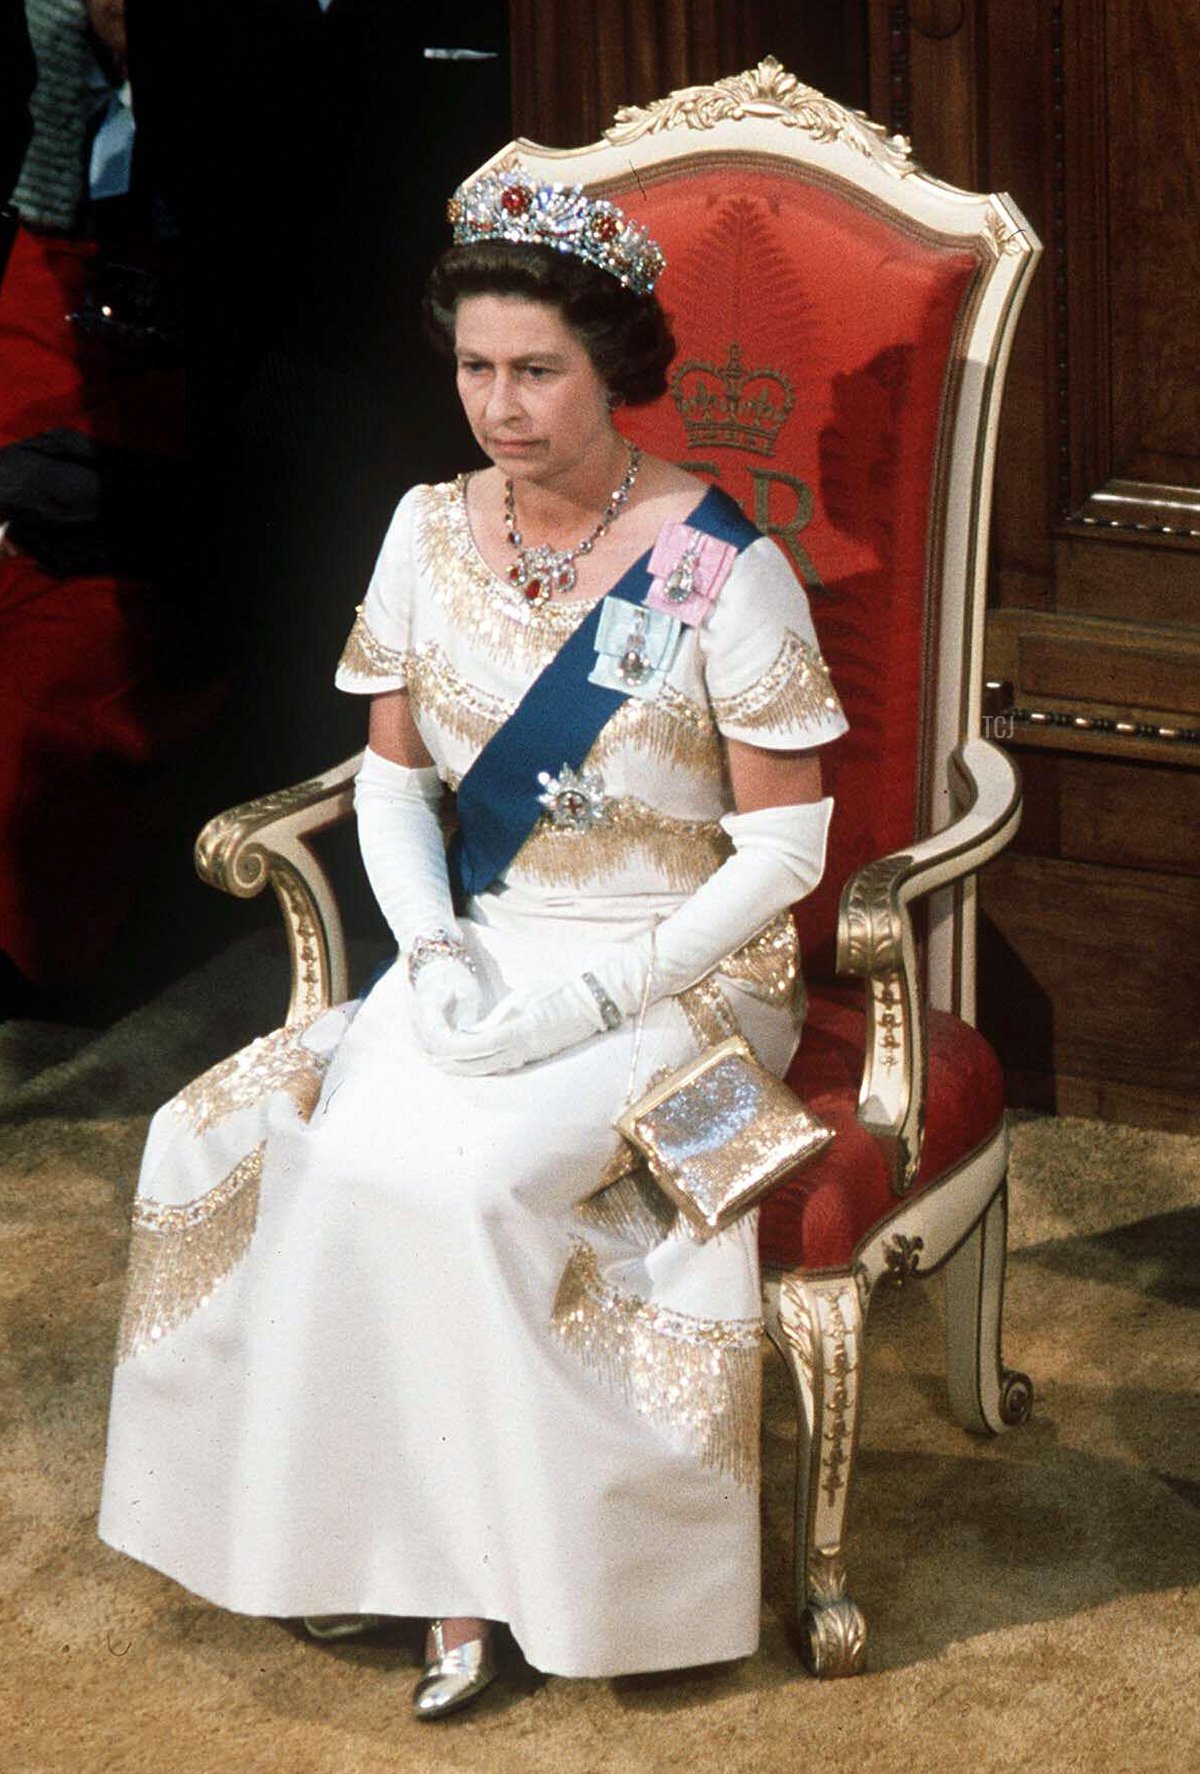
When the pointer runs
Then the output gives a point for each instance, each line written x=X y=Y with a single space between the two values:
x=610 y=1014
x=433 y=947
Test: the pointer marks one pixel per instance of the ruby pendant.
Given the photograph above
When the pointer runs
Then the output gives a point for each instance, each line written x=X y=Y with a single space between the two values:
x=533 y=591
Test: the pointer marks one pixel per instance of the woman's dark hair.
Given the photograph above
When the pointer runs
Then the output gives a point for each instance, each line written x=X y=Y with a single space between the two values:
x=627 y=336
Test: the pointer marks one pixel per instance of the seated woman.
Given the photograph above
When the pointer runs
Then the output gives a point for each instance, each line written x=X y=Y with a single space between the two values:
x=408 y=1331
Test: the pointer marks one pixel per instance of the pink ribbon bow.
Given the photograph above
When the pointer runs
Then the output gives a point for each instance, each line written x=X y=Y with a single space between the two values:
x=689 y=568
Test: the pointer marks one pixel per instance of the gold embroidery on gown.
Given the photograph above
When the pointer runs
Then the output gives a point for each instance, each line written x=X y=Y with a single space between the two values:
x=278 y=1061
x=683 y=852
x=630 y=1205
x=365 y=656
x=795 y=689
x=476 y=601
x=770 y=961
x=701 y=1377
x=456 y=705
x=178 y=1255
x=671 y=729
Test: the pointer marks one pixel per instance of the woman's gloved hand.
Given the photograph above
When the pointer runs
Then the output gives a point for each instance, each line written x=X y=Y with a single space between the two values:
x=447 y=997
x=779 y=855
x=526 y=1027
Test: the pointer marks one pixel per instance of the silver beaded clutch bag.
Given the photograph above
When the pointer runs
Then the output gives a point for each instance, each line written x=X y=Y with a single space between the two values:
x=719 y=1133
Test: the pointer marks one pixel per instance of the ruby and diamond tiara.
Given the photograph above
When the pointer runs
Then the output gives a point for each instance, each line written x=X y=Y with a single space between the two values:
x=512 y=205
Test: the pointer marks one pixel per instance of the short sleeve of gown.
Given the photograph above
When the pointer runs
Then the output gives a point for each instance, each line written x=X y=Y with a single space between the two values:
x=766 y=679
x=375 y=657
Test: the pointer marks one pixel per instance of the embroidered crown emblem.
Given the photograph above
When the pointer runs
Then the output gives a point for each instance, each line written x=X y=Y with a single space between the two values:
x=743 y=409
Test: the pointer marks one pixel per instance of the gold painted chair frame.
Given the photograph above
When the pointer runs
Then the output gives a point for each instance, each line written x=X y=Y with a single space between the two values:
x=971 y=808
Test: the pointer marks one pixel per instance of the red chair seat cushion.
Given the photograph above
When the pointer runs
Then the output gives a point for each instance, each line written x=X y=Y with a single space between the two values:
x=818 y=1220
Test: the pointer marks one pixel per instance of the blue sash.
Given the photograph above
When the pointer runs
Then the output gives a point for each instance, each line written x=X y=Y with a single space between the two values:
x=556 y=722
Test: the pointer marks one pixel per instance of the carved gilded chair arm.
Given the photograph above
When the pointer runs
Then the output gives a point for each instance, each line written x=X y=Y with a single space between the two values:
x=876 y=943
x=267 y=842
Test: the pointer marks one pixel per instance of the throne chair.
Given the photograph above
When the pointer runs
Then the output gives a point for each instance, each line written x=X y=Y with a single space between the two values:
x=845 y=322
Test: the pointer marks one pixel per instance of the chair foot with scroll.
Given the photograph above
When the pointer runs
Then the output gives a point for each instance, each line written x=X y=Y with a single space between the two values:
x=817 y=1326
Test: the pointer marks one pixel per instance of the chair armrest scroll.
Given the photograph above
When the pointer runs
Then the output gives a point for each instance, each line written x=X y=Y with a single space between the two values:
x=876 y=943
x=266 y=842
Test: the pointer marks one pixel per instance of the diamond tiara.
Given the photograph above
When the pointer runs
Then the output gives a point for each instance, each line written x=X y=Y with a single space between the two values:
x=513 y=206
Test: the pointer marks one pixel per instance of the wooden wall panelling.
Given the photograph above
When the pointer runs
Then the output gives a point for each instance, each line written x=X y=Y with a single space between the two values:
x=1025 y=140
x=1122 y=815
x=1090 y=940
x=1154 y=255
x=1124 y=500
x=1061 y=105
x=1101 y=977
x=1132 y=396
x=1086 y=111
x=574 y=63
x=1131 y=578
x=928 y=82
x=1120 y=687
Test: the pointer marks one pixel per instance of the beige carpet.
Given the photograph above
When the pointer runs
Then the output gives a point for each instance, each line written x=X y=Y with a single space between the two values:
x=1032 y=1601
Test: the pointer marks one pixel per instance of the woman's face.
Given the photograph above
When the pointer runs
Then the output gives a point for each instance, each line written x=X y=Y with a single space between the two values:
x=528 y=387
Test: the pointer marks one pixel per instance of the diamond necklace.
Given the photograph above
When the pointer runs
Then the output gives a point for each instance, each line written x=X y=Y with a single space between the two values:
x=544 y=572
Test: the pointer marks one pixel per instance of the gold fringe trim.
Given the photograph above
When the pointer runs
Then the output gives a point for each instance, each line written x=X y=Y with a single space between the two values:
x=365 y=656
x=623 y=1160
x=178 y=1255
x=476 y=600
x=684 y=852
x=796 y=690
x=628 y=1202
x=709 y=1016
x=770 y=961
x=699 y=1376
x=633 y=1207
x=278 y=1061
x=451 y=701
x=671 y=728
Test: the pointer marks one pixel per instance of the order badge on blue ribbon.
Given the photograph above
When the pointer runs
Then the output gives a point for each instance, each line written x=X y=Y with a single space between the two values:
x=635 y=648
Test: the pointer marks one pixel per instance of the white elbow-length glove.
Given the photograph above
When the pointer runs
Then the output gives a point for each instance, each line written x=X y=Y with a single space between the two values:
x=779 y=856
x=403 y=852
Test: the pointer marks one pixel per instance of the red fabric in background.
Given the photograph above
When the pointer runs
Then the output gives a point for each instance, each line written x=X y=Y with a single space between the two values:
x=52 y=374
x=859 y=318
x=85 y=725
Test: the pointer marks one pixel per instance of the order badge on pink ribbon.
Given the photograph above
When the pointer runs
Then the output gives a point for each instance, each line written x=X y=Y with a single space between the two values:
x=688 y=568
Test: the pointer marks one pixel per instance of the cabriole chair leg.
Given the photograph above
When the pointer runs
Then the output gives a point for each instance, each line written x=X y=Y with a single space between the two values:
x=985 y=1396
x=817 y=1327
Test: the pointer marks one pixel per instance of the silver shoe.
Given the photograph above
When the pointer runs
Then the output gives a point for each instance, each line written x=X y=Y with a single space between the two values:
x=328 y=1627
x=453 y=1677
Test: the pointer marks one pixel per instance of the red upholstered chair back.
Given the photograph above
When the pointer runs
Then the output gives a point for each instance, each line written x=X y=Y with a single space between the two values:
x=840 y=318
x=815 y=341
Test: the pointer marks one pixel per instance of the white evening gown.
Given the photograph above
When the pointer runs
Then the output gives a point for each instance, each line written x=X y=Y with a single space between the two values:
x=406 y=1343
